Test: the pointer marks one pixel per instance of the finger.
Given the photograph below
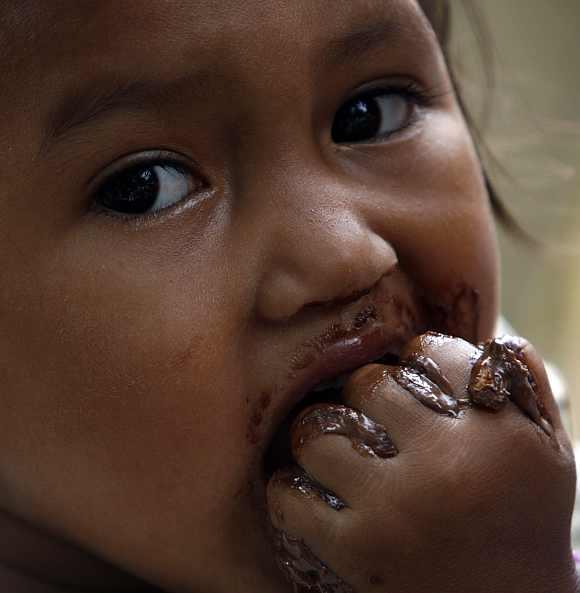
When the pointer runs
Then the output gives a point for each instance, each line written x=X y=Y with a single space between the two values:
x=304 y=528
x=340 y=448
x=491 y=375
x=367 y=437
x=304 y=569
x=381 y=394
x=501 y=375
x=452 y=359
x=544 y=403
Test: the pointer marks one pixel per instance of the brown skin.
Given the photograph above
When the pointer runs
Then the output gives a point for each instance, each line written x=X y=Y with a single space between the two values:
x=143 y=362
x=468 y=503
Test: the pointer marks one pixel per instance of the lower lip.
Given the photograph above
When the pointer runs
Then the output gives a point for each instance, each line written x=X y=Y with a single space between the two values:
x=340 y=357
x=350 y=353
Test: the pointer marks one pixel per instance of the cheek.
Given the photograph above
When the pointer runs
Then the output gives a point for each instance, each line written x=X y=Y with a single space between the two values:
x=120 y=388
x=439 y=220
x=454 y=251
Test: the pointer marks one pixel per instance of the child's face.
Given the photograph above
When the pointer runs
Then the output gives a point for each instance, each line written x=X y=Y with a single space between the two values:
x=147 y=361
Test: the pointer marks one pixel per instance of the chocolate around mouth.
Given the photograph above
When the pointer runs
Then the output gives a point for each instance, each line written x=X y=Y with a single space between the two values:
x=279 y=453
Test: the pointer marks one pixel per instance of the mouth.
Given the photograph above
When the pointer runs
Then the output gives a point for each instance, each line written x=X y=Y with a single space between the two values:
x=323 y=382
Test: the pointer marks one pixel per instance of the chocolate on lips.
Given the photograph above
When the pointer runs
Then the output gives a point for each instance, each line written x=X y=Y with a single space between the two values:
x=376 y=330
x=319 y=412
x=488 y=375
x=337 y=358
x=365 y=328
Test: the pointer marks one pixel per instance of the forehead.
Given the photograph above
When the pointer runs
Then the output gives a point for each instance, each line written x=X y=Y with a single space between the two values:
x=208 y=11
x=62 y=27
x=56 y=52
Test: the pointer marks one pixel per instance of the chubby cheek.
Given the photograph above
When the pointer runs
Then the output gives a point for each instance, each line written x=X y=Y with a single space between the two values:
x=129 y=401
x=439 y=220
x=460 y=235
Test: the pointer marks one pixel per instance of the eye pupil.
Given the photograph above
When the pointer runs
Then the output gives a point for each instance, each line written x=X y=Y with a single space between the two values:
x=132 y=192
x=357 y=121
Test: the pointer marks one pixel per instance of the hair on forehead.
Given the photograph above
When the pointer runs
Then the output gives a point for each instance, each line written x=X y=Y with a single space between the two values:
x=437 y=12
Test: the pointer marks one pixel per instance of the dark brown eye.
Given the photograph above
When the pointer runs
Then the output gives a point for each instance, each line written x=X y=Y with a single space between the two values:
x=371 y=116
x=145 y=188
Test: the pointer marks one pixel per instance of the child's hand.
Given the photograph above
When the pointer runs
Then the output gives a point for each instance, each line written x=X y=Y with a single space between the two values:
x=461 y=499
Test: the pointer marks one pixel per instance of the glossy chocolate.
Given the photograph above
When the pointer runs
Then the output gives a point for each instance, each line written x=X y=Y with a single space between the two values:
x=367 y=436
x=297 y=479
x=501 y=375
x=491 y=376
x=137 y=351
x=307 y=573
x=426 y=391
x=427 y=366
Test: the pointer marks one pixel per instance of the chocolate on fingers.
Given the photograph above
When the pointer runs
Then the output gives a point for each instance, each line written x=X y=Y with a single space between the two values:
x=355 y=455
x=487 y=376
x=501 y=374
x=303 y=513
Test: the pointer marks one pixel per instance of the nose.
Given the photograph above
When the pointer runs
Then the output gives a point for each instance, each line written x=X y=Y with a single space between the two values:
x=322 y=249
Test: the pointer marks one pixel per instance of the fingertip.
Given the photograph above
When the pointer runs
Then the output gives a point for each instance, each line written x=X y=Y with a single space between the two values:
x=406 y=410
x=547 y=404
x=453 y=356
x=296 y=508
x=366 y=436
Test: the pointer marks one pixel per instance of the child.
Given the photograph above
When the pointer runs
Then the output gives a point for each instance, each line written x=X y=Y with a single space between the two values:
x=210 y=210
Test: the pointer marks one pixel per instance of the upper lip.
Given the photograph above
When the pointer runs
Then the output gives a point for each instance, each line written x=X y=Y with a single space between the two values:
x=332 y=356
x=341 y=355
x=378 y=323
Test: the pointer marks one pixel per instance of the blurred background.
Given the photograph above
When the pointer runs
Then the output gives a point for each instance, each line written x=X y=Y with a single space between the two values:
x=531 y=124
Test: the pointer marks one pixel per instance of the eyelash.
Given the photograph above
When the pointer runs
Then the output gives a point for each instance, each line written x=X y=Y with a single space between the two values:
x=425 y=97
x=154 y=159
x=417 y=95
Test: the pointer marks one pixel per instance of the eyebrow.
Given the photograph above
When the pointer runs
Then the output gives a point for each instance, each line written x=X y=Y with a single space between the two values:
x=104 y=97
x=363 y=38
x=100 y=99
x=91 y=103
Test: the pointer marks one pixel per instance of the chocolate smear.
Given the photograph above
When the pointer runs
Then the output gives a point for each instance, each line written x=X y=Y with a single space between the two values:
x=427 y=366
x=297 y=479
x=368 y=437
x=499 y=376
x=305 y=571
x=426 y=390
